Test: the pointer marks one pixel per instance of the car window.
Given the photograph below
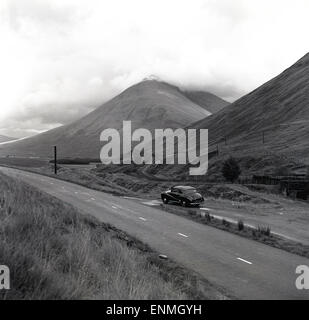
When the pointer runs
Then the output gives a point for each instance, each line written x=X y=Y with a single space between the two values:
x=191 y=191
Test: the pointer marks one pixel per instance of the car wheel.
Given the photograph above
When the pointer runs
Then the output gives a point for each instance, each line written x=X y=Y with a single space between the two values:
x=183 y=203
x=165 y=200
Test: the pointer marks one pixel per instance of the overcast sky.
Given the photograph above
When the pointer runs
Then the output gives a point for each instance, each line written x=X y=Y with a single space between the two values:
x=61 y=58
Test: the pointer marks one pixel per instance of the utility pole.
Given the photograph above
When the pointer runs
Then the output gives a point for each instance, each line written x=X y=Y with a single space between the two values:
x=217 y=150
x=55 y=159
x=263 y=137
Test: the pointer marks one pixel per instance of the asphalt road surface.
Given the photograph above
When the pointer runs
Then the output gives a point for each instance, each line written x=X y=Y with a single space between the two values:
x=245 y=268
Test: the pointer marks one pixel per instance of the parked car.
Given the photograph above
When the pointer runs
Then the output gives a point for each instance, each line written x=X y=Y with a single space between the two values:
x=184 y=195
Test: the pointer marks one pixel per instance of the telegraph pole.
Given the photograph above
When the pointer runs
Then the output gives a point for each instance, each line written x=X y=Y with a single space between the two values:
x=55 y=159
x=263 y=137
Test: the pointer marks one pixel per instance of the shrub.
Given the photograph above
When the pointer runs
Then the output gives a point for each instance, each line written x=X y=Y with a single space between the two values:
x=265 y=231
x=231 y=170
x=226 y=223
x=208 y=217
x=240 y=225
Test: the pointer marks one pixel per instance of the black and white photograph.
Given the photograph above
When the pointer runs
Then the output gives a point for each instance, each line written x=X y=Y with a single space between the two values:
x=154 y=155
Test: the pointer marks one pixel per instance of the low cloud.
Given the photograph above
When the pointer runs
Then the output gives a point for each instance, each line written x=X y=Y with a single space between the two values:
x=62 y=58
x=32 y=13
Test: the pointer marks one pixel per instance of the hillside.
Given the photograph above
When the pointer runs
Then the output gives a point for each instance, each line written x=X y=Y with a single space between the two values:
x=207 y=100
x=277 y=110
x=281 y=101
x=5 y=139
x=150 y=104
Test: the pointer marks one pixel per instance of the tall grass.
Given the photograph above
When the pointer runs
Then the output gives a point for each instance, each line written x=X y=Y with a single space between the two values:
x=54 y=252
x=264 y=230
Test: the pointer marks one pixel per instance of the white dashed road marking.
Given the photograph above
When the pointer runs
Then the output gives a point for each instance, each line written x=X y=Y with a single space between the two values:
x=133 y=198
x=152 y=203
x=183 y=235
x=245 y=261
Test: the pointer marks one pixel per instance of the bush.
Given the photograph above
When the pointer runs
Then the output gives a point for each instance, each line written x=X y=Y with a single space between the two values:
x=240 y=225
x=231 y=170
x=265 y=231
x=208 y=217
x=226 y=223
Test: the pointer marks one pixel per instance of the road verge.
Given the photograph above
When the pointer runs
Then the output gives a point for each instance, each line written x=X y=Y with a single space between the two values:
x=260 y=233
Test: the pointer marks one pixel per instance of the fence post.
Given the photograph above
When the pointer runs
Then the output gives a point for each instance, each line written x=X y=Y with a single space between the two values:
x=55 y=159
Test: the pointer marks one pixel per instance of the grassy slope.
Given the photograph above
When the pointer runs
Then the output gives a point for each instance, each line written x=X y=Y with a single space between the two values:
x=54 y=252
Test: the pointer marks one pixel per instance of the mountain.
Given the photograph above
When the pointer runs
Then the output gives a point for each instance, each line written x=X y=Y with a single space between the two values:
x=207 y=100
x=150 y=104
x=267 y=130
x=5 y=139
x=271 y=122
x=281 y=101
